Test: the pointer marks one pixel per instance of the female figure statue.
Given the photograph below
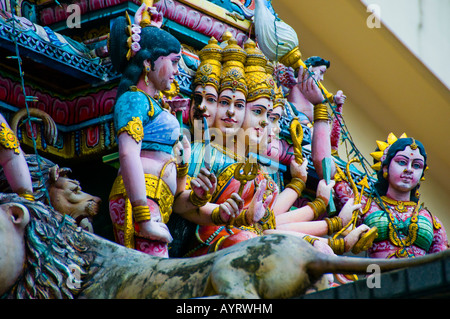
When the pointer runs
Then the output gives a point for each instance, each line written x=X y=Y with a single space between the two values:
x=405 y=227
x=142 y=195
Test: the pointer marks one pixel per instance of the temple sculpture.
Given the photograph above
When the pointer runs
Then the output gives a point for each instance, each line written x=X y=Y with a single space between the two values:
x=210 y=149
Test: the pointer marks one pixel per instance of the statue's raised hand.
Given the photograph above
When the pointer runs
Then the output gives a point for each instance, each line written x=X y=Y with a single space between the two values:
x=156 y=17
x=231 y=208
x=204 y=185
x=309 y=88
x=324 y=190
x=257 y=207
x=299 y=170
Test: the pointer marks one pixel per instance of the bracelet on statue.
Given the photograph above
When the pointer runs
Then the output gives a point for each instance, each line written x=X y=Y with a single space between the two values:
x=320 y=112
x=182 y=169
x=318 y=206
x=241 y=219
x=310 y=239
x=338 y=245
x=334 y=224
x=197 y=201
x=298 y=185
x=27 y=196
x=141 y=213
x=216 y=218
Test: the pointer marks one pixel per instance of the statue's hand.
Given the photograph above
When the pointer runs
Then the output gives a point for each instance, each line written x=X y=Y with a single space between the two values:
x=155 y=230
x=204 y=184
x=324 y=190
x=339 y=98
x=309 y=88
x=257 y=207
x=323 y=247
x=231 y=208
x=178 y=104
x=156 y=17
x=182 y=151
x=346 y=212
x=299 y=170
x=352 y=238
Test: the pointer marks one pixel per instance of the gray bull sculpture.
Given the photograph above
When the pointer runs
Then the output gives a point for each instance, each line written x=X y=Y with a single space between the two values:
x=64 y=261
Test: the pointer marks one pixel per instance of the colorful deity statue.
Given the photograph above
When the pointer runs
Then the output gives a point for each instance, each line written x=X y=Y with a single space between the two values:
x=227 y=154
x=307 y=220
x=206 y=84
x=406 y=228
x=316 y=67
x=142 y=195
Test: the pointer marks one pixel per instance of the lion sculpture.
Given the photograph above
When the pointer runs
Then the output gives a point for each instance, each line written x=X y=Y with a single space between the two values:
x=51 y=185
x=46 y=255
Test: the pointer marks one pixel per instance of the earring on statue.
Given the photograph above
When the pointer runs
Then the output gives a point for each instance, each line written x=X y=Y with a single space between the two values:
x=385 y=174
x=417 y=193
x=147 y=70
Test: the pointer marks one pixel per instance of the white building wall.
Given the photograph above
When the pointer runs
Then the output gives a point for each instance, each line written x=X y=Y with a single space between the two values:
x=423 y=26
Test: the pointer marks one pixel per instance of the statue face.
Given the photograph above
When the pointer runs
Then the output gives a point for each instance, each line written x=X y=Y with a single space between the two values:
x=204 y=104
x=230 y=112
x=405 y=170
x=319 y=72
x=274 y=125
x=256 y=120
x=165 y=70
x=13 y=219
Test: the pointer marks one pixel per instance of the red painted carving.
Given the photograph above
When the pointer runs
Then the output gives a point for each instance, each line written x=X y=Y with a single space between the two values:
x=66 y=112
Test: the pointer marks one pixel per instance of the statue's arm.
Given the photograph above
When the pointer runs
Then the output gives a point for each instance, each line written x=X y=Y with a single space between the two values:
x=13 y=161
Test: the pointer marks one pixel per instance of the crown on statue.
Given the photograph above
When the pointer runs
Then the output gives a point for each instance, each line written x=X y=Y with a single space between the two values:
x=383 y=147
x=259 y=82
x=209 y=70
x=233 y=75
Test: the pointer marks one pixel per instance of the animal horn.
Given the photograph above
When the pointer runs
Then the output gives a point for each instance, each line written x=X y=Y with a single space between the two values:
x=356 y=265
x=50 y=129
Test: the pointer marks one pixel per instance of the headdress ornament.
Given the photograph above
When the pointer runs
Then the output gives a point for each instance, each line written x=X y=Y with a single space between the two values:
x=233 y=76
x=259 y=82
x=208 y=72
x=383 y=147
x=134 y=31
x=279 y=96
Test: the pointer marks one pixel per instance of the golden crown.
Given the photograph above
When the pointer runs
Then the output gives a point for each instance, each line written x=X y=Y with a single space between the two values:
x=279 y=97
x=259 y=82
x=233 y=76
x=208 y=72
x=383 y=147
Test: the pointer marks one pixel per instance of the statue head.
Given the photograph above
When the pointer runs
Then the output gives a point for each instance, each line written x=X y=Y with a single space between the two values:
x=233 y=90
x=318 y=66
x=130 y=49
x=395 y=154
x=39 y=254
x=261 y=94
x=52 y=186
x=206 y=83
